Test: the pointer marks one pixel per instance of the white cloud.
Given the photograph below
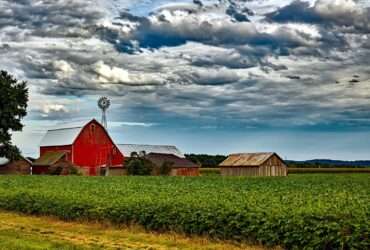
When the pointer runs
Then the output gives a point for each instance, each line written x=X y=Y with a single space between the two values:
x=337 y=8
x=63 y=68
x=49 y=108
x=108 y=74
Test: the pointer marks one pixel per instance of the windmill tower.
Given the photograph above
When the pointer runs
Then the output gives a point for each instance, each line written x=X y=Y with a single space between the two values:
x=104 y=104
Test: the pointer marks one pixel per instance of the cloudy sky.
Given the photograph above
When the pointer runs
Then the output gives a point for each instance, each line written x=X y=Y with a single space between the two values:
x=210 y=76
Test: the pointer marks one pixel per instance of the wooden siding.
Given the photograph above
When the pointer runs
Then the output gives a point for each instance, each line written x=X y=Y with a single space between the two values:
x=185 y=172
x=239 y=171
x=274 y=166
x=20 y=167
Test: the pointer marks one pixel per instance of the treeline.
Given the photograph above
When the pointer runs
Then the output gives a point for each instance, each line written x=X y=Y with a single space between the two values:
x=328 y=164
x=212 y=161
x=206 y=161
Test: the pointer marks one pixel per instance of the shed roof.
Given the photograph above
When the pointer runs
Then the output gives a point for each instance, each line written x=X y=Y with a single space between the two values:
x=159 y=159
x=246 y=159
x=127 y=149
x=4 y=160
x=49 y=158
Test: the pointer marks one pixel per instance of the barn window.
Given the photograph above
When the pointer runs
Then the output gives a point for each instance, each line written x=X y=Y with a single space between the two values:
x=114 y=151
x=92 y=129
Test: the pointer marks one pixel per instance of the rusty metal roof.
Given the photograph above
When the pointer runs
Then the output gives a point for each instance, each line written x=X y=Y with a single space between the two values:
x=49 y=158
x=159 y=159
x=246 y=159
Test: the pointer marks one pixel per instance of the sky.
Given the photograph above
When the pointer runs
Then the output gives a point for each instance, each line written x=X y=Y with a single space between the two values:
x=209 y=76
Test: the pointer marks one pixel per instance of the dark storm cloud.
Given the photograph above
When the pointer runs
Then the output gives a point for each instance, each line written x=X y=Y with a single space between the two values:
x=50 y=18
x=298 y=11
x=326 y=13
x=200 y=60
x=155 y=32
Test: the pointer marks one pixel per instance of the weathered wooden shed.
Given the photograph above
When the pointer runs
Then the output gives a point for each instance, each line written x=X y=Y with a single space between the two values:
x=53 y=163
x=18 y=167
x=179 y=166
x=253 y=164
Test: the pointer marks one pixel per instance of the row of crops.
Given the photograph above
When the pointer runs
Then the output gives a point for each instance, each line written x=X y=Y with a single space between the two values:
x=295 y=212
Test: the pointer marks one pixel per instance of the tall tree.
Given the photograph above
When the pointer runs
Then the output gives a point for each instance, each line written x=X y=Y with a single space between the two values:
x=13 y=107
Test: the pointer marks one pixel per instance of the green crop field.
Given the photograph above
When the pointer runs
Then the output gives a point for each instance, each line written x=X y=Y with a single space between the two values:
x=324 y=211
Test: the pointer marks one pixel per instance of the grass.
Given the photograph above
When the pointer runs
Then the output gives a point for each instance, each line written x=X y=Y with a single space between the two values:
x=22 y=232
x=317 y=211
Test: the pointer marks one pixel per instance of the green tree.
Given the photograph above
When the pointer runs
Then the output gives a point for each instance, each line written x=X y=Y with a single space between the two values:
x=139 y=165
x=165 y=168
x=13 y=107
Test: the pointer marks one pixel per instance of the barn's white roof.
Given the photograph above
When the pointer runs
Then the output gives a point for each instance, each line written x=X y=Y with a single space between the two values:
x=60 y=137
x=127 y=149
x=63 y=134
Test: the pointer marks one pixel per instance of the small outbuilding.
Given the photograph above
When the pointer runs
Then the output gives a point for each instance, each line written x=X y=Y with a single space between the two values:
x=18 y=167
x=253 y=164
x=179 y=166
x=54 y=163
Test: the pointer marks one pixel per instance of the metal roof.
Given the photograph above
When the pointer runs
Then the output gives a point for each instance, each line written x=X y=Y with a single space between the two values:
x=4 y=160
x=246 y=159
x=63 y=134
x=127 y=149
x=49 y=158
x=159 y=159
x=60 y=137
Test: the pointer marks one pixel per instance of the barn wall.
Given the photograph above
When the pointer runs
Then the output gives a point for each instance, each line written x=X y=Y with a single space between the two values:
x=38 y=170
x=274 y=166
x=93 y=148
x=117 y=172
x=239 y=171
x=184 y=172
x=20 y=167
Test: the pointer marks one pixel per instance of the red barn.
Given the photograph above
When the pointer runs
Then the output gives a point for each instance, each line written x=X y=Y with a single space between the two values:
x=88 y=146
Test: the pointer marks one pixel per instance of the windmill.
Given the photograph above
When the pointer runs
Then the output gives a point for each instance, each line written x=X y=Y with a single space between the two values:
x=104 y=104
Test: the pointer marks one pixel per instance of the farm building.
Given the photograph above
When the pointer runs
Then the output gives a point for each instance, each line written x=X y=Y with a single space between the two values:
x=128 y=149
x=23 y=166
x=179 y=166
x=253 y=164
x=86 y=145
x=52 y=163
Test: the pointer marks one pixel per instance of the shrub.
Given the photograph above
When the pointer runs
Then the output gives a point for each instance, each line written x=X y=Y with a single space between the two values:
x=139 y=166
x=165 y=168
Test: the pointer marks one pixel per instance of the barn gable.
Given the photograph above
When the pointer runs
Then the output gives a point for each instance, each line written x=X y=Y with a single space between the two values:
x=246 y=159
